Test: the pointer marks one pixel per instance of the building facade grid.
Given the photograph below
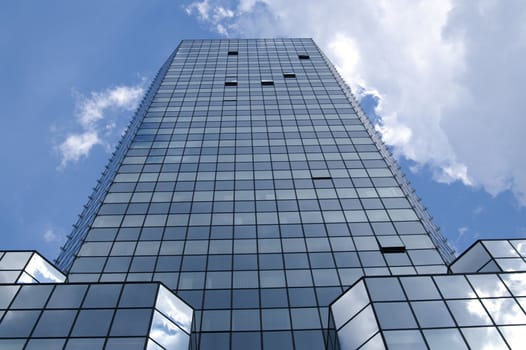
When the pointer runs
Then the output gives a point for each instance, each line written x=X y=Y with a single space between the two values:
x=253 y=190
x=252 y=186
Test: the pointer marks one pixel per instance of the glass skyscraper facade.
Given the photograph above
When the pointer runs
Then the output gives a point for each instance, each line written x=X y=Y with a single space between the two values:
x=251 y=205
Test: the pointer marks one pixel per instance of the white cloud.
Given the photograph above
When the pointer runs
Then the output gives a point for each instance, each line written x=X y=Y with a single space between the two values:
x=91 y=109
x=97 y=116
x=213 y=14
x=221 y=29
x=478 y=210
x=50 y=236
x=462 y=231
x=448 y=74
x=77 y=146
x=199 y=7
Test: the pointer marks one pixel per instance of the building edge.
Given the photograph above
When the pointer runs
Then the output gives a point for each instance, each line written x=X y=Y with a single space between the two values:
x=440 y=241
x=75 y=239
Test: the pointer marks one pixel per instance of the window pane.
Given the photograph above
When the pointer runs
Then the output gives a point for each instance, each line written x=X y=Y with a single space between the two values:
x=167 y=333
x=67 y=296
x=404 y=340
x=55 y=323
x=484 y=338
x=92 y=323
x=32 y=297
x=18 y=323
x=432 y=314
x=394 y=315
x=129 y=322
x=440 y=339
x=469 y=312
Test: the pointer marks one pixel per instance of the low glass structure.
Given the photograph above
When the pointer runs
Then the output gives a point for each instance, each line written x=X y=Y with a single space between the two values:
x=27 y=267
x=453 y=311
x=93 y=316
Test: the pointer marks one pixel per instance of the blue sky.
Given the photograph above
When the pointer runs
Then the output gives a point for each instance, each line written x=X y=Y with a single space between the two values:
x=72 y=72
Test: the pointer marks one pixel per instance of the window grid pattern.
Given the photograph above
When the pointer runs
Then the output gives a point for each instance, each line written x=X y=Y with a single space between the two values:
x=95 y=316
x=27 y=267
x=256 y=203
x=439 y=240
x=492 y=256
x=81 y=227
x=432 y=312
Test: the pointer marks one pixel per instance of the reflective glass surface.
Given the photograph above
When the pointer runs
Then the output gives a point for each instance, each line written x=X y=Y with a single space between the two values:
x=93 y=317
x=436 y=308
x=252 y=186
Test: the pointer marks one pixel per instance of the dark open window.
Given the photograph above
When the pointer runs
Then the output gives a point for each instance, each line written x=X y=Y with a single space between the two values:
x=267 y=82
x=303 y=57
x=391 y=244
x=289 y=75
x=232 y=53
x=392 y=249
x=231 y=83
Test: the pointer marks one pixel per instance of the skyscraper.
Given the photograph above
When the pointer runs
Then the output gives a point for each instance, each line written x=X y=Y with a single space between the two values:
x=249 y=193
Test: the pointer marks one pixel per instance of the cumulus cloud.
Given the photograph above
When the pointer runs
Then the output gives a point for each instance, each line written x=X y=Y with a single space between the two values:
x=211 y=13
x=97 y=115
x=447 y=74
